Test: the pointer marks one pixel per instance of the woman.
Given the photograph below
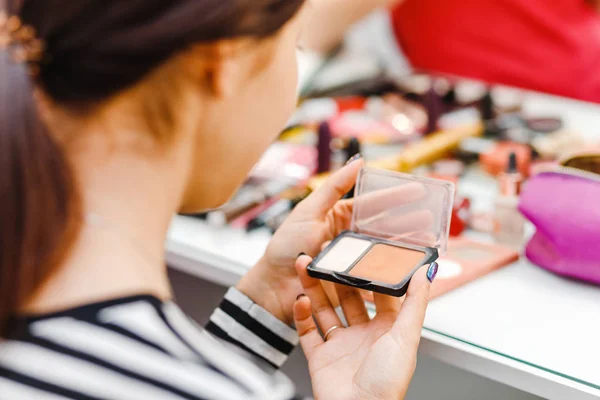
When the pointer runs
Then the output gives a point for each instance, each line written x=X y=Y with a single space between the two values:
x=115 y=115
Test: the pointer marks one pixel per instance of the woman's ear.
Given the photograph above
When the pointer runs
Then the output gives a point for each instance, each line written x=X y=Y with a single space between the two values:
x=221 y=66
x=228 y=65
x=224 y=77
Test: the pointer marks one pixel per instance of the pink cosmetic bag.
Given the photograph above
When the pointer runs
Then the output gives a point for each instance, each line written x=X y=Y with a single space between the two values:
x=564 y=206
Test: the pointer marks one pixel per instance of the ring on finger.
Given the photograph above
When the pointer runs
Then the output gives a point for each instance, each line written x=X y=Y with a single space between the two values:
x=330 y=331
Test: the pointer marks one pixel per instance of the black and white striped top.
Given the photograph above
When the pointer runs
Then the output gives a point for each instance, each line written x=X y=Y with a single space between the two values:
x=139 y=348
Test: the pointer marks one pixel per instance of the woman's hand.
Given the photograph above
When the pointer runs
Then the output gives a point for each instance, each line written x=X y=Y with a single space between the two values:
x=273 y=283
x=369 y=359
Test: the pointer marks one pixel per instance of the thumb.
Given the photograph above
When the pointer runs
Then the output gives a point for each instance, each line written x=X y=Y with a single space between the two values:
x=324 y=198
x=409 y=323
x=390 y=365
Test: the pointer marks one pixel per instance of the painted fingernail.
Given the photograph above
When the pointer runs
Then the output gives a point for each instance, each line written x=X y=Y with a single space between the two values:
x=301 y=295
x=355 y=157
x=432 y=271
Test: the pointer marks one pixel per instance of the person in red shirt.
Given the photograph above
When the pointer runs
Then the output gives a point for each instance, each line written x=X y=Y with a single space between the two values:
x=535 y=44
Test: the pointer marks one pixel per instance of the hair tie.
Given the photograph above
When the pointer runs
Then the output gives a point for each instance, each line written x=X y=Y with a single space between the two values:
x=21 y=42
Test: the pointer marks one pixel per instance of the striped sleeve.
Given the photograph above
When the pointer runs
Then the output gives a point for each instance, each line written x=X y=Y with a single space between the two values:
x=247 y=325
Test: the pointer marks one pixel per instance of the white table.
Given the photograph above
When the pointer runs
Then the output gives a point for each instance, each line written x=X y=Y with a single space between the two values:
x=520 y=326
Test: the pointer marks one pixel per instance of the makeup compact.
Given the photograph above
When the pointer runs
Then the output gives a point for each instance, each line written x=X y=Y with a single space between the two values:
x=400 y=223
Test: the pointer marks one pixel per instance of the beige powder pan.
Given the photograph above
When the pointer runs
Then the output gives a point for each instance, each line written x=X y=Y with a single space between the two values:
x=344 y=254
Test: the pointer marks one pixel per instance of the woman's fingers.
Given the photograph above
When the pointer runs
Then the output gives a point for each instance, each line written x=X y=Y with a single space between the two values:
x=318 y=204
x=410 y=321
x=352 y=304
x=329 y=288
x=323 y=312
x=387 y=305
x=309 y=335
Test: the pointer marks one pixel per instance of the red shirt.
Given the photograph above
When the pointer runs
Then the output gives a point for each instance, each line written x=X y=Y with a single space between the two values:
x=546 y=45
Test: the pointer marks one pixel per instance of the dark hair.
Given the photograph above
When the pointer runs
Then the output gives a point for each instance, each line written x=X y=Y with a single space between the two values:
x=93 y=50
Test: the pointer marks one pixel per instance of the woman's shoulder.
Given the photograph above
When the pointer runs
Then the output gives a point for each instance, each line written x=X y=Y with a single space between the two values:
x=135 y=345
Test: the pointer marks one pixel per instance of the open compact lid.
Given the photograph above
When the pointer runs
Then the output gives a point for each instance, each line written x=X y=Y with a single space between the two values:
x=403 y=208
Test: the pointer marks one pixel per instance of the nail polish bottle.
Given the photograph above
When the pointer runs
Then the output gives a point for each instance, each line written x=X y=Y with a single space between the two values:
x=324 y=148
x=435 y=109
x=351 y=150
x=509 y=223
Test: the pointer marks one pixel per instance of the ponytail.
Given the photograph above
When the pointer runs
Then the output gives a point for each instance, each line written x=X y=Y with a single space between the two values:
x=37 y=195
